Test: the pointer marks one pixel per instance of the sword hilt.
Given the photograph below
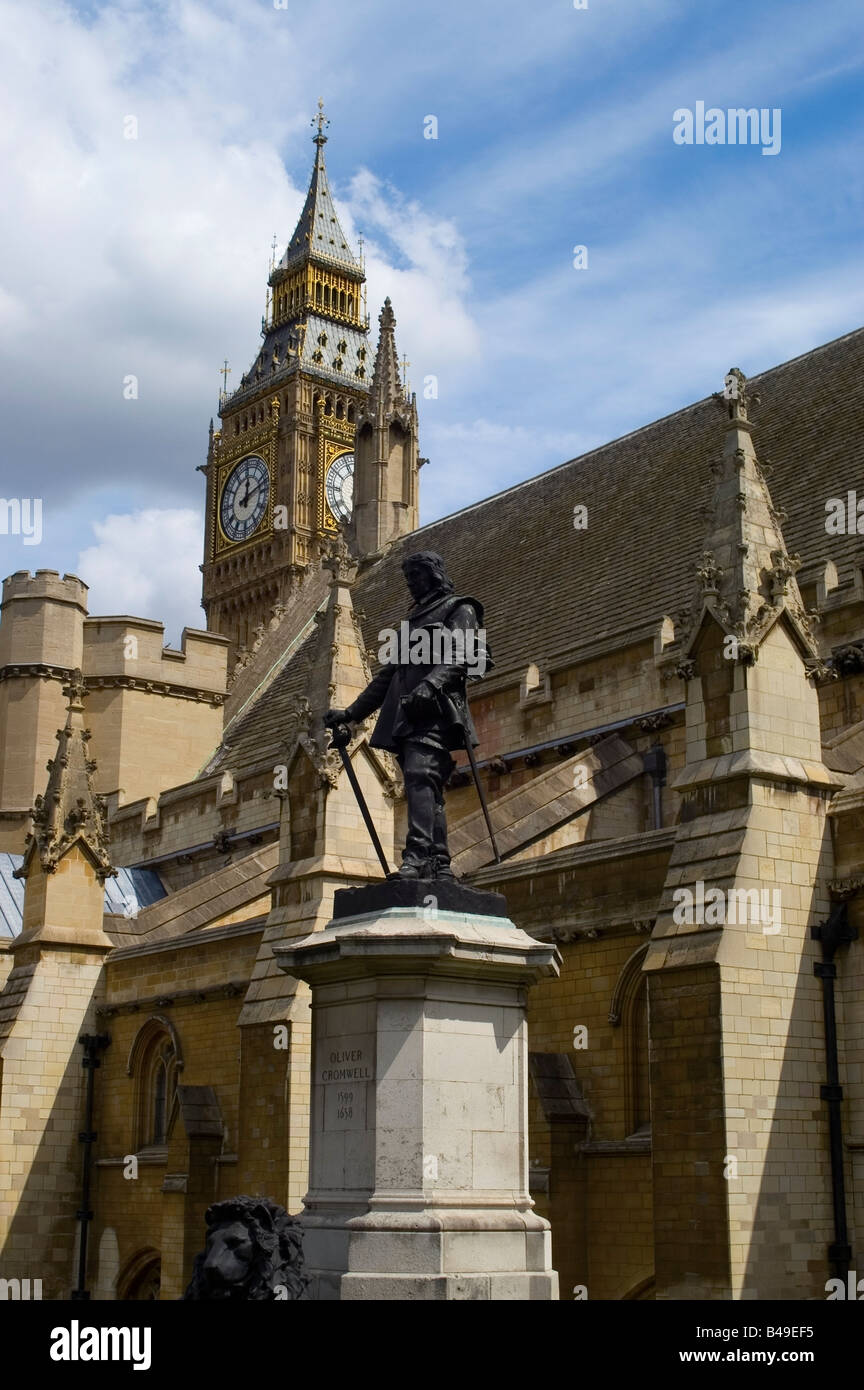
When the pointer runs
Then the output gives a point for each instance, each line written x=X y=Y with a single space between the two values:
x=340 y=735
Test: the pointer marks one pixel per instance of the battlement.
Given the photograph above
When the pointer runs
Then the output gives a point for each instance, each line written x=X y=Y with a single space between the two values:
x=45 y=584
x=123 y=648
x=42 y=619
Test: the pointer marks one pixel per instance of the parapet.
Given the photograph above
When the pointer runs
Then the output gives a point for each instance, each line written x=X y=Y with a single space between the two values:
x=131 y=650
x=42 y=617
x=45 y=584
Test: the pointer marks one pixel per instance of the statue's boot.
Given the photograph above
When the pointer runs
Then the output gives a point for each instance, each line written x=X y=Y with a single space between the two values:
x=413 y=868
x=441 y=869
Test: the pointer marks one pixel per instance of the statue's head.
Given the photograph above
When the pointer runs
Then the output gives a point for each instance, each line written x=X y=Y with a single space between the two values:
x=425 y=573
x=253 y=1252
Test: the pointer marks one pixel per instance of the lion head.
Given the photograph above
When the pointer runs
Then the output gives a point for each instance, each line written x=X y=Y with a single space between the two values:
x=254 y=1252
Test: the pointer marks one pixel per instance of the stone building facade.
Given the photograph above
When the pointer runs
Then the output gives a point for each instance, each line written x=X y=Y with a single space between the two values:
x=672 y=746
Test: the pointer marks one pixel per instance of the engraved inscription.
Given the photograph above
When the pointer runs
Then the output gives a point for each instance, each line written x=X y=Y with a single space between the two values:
x=346 y=1060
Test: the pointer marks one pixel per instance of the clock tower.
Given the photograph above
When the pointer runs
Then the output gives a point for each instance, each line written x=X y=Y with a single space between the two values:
x=280 y=471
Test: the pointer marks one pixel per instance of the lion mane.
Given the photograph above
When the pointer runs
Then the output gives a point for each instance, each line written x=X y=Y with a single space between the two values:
x=278 y=1263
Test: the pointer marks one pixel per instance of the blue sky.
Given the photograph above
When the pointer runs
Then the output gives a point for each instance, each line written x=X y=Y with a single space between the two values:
x=149 y=256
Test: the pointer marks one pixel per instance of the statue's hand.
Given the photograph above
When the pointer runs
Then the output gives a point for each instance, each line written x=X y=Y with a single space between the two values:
x=421 y=705
x=336 y=716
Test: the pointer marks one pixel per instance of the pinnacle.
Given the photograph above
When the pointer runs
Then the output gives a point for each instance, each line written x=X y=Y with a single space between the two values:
x=70 y=812
x=746 y=576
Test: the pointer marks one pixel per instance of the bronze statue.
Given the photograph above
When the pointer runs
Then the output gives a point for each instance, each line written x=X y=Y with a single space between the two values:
x=254 y=1253
x=420 y=691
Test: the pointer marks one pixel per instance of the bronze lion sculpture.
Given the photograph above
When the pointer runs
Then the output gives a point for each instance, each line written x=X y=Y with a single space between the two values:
x=254 y=1253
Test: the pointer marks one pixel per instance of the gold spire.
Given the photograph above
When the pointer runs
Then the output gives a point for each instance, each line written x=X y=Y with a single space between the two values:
x=321 y=122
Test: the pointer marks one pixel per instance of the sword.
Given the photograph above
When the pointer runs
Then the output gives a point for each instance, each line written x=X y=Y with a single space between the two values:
x=340 y=737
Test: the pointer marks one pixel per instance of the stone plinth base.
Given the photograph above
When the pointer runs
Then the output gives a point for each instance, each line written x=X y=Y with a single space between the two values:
x=419 y=1162
x=434 y=895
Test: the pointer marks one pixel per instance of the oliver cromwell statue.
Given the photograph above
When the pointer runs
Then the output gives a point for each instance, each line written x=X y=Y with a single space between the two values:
x=420 y=691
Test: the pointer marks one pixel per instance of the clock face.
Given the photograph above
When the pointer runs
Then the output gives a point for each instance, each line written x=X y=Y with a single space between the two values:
x=339 y=487
x=244 y=498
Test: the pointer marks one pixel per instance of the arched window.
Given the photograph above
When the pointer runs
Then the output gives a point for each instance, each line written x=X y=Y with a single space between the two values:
x=154 y=1064
x=140 y=1280
x=317 y=291
x=342 y=301
x=629 y=1011
x=351 y=304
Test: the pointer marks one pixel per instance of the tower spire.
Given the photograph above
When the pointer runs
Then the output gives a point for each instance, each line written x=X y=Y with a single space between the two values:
x=385 y=451
x=318 y=235
x=387 y=390
x=321 y=121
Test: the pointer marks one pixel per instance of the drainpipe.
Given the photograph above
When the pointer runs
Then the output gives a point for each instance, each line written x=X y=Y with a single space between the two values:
x=93 y=1043
x=836 y=931
x=654 y=762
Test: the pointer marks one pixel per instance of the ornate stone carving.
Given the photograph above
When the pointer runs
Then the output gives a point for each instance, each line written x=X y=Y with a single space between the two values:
x=654 y=722
x=783 y=567
x=70 y=812
x=709 y=573
x=848 y=660
x=819 y=670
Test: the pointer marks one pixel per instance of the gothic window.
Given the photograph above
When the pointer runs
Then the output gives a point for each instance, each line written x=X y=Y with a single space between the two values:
x=317 y=291
x=326 y=296
x=163 y=1089
x=639 y=1047
x=351 y=304
x=139 y=1281
x=629 y=1011
x=154 y=1064
x=342 y=301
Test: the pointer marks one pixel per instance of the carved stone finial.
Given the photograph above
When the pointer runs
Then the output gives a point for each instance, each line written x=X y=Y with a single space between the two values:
x=70 y=812
x=339 y=560
x=736 y=395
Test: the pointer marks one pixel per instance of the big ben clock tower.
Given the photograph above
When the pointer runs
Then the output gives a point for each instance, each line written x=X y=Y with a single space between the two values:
x=280 y=471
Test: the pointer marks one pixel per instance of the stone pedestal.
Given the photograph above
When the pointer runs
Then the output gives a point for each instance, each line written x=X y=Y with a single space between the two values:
x=419 y=1159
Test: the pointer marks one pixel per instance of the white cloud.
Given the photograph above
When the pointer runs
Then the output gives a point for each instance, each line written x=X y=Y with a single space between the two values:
x=145 y=564
x=421 y=263
x=148 y=256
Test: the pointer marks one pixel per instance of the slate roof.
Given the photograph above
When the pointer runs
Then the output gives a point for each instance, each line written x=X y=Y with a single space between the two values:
x=549 y=588
x=318 y=232
x=338 y=366
x=125 y=895
x=341 y=365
